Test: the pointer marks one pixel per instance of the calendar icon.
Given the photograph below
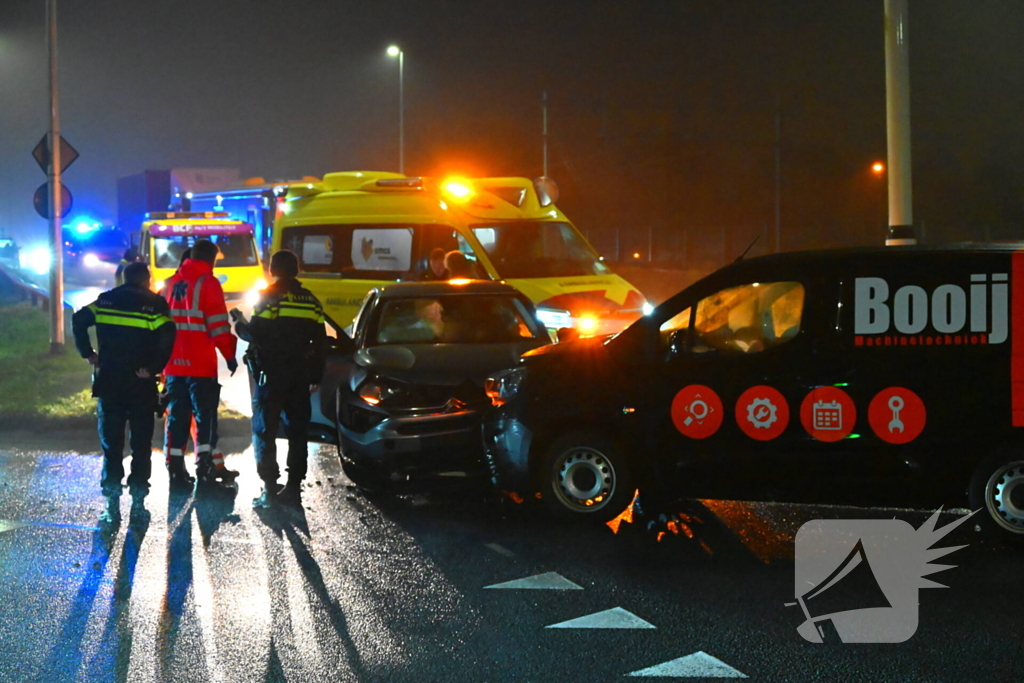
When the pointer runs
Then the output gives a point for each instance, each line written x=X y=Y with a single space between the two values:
x=827 y=416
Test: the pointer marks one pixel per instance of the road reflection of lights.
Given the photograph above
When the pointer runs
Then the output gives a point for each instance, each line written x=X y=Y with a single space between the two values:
x=757 y=534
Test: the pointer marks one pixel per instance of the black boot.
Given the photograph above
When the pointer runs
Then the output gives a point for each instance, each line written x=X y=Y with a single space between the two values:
x=179 y=476
x=291 y=494
x=268 y=498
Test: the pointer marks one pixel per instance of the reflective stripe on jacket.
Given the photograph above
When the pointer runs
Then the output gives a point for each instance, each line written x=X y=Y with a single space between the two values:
x=287 y=332
x=134 y=331
x=197 y=307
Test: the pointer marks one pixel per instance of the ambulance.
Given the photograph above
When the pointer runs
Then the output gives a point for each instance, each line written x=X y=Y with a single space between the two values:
x=889 y=375
x=354 y=231
x=165 y=236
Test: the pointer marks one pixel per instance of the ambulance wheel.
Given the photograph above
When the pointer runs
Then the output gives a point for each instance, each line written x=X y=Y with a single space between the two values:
x=365 y=480
x=584 y=477
x=997 y=493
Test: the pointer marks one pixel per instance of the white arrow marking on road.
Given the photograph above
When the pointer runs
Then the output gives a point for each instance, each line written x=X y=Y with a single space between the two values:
x=10 y=526
x=615 y=617
x=552 y=581
x=698 y=665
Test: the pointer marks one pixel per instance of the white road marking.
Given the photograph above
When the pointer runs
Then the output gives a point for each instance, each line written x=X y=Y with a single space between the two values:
x=698 y=665
x=546 y=581
x=615 y=617
x=500 y=549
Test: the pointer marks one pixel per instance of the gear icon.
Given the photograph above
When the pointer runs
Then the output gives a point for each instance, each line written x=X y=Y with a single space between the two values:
x=761 y=413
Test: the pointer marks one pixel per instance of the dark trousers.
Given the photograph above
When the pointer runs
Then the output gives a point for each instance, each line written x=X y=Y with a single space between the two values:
x=191 y=397
x=289 y=399
x=113 y=414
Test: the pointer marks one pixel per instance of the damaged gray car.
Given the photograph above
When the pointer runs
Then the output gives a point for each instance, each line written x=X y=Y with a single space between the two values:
x=406 y=389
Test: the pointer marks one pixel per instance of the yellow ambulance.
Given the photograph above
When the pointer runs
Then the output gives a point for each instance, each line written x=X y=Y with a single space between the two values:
x=165 y=236
x=360 y=229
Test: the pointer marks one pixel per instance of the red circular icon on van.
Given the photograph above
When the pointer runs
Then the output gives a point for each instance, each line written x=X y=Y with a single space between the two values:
x=897 y=415
x=762 y=413
x=828 y=414
x=697 y=411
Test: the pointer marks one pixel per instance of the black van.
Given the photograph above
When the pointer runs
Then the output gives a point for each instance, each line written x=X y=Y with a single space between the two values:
x=873 y=375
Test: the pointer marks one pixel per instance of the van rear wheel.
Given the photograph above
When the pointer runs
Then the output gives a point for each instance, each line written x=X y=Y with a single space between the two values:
x=997 y=491
x=585 y=478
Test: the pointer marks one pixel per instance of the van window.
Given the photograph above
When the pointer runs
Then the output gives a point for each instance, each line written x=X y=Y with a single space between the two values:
x=749 y=318
x=678 y=322
x=366 y=252
x=529 y=249
x=235 y=250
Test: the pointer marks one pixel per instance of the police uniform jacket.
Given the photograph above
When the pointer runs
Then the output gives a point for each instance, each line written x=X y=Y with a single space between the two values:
x=287 y=332
x=134 y=330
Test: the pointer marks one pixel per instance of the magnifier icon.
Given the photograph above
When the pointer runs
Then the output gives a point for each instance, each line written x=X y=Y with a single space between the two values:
x=698 y=410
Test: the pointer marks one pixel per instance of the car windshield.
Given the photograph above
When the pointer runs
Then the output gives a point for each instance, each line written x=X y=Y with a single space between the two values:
x=107 y=239
x=529 y=249
x=235 y=250
x=455 y=319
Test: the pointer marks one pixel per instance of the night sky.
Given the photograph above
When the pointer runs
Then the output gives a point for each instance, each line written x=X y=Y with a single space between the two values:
x=662 y=114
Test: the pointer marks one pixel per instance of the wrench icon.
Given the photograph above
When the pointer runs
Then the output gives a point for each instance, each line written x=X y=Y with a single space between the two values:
x=896 y=405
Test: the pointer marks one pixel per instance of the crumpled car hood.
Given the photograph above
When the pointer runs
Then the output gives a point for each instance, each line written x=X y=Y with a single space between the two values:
x=444 y=364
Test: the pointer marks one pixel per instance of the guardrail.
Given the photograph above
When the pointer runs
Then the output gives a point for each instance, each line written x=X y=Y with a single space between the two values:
x=26 y=289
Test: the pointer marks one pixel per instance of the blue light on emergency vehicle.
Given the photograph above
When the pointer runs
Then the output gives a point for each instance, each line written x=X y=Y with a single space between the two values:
x=84 y=227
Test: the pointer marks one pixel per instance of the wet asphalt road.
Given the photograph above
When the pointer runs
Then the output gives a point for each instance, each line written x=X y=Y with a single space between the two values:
x=352 y=588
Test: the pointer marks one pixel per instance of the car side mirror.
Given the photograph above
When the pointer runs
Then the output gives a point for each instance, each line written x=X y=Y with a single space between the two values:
x=341 y=345
x=677 y=341
x=566 y=334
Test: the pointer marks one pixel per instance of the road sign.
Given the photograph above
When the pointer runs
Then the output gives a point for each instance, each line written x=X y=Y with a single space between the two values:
x=68 y=154
x=41 y=200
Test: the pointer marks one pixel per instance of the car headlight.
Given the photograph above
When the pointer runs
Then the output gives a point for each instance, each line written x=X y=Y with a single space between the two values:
x=375 y=392
x=90 y=260
x=503 y=386
x=648 y=308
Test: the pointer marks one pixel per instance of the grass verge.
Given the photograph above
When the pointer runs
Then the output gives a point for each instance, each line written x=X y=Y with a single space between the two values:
x=35 y=386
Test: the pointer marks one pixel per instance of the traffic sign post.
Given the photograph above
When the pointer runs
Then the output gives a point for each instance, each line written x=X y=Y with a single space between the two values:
x=41 y=200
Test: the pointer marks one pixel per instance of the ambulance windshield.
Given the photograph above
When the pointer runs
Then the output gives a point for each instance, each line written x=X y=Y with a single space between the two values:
x=235 y=250
x=531 y=249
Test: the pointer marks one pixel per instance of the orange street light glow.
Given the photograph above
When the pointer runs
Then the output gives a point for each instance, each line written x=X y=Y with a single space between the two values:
x=877 y=168
x=587 y=324
x=636 y=254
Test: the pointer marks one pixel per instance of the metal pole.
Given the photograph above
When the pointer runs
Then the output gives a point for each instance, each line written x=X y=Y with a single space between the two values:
x=55 y=192
x=544 y=107
x=897 y=114
x=778 y=173
x=401 y=112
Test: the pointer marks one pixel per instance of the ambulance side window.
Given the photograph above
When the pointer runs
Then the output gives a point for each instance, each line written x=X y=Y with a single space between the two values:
x=748 y=319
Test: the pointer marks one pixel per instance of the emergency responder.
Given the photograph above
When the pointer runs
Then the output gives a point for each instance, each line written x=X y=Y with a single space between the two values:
x=287 y=335
x=197 y=306
x=135 y=335
x=435 y=265
x=131 y=255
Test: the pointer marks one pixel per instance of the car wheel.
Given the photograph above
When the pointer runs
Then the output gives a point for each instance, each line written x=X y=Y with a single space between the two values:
x=585 y=478
x=364 y=480
x=997 y=492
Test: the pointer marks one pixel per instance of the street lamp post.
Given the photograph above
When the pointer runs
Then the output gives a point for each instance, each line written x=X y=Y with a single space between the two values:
x=395 y=51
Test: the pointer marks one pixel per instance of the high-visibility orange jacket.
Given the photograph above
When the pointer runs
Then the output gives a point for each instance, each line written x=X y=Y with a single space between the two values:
x=197 y=307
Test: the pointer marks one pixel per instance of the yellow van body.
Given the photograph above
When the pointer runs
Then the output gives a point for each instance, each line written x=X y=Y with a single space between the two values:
x=165 y=236
x=357 y=230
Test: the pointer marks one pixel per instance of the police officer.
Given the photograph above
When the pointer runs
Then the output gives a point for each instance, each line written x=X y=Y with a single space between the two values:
x=197 y=306
x=131 y=255
x=135 y=335
x=287 y=335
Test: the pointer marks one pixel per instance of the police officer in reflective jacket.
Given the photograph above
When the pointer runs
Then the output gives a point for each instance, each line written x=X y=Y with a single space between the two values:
x=286 y=336
x=135 y=335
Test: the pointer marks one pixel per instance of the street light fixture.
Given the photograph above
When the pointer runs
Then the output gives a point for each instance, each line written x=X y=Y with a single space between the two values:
x=878 y=168
x=395 y=51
